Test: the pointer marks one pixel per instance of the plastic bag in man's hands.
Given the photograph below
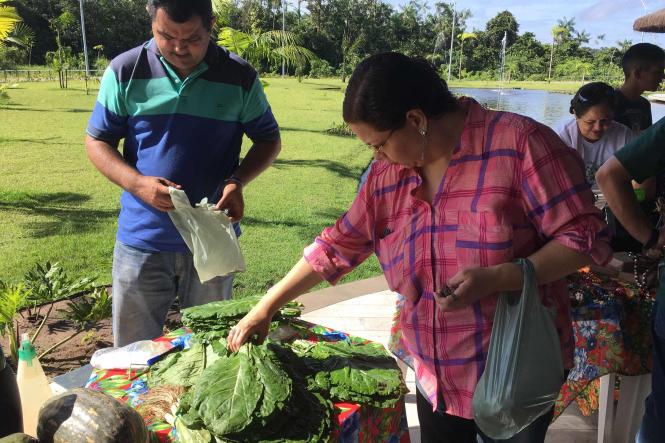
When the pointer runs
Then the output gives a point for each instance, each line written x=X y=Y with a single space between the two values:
x=524 y=369
x=209 y=235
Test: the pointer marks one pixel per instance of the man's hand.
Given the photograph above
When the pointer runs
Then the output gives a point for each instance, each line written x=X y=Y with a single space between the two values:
x=657 y=250
x=232 y=201
x=155 y=192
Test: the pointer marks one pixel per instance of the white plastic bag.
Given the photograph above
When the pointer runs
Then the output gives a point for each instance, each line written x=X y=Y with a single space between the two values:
x=524 y=369
x=209 y=235
x=134 y=355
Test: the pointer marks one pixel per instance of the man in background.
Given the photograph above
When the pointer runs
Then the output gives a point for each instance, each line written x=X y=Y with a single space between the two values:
x=182 y=105
x=639 y=160
x=643 y=66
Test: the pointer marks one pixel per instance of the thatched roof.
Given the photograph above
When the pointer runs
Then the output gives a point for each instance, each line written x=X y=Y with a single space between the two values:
x=654 y=22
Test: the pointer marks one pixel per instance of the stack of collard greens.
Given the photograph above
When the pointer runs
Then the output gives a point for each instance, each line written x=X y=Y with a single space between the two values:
x=220 y=316
x=274 y=392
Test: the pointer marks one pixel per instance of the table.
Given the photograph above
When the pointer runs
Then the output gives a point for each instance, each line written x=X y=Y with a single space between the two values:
x=351 y=423
x=611 y=322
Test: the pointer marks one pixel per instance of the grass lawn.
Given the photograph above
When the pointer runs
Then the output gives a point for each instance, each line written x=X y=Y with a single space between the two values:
x=55 y=206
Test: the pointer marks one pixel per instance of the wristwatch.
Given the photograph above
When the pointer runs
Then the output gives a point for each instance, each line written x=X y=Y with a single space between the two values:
x=234 y=179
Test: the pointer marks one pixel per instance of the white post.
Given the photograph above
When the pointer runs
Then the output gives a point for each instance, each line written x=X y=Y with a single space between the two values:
x=452 y=40
x=85 y=43
x=283 y=30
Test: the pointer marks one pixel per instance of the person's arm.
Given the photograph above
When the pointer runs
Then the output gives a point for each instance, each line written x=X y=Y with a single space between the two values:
x=552 y=262
x=616 y=183
x=560 y=206
x=108 y=160
x=299 y=280
x=260 y=156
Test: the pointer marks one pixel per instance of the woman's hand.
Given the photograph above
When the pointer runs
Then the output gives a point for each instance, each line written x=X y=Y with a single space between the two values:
x=470 y=285
x=256 y=322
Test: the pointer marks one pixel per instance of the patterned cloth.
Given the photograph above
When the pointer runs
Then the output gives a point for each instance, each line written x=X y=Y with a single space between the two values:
x=511 y=186
x=611 y=320
x=352 y=423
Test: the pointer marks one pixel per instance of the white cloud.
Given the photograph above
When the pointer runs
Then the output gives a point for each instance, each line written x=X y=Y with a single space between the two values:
x=605 y=9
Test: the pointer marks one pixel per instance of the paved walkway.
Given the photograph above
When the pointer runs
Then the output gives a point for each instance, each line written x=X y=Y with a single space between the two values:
x=365 y=308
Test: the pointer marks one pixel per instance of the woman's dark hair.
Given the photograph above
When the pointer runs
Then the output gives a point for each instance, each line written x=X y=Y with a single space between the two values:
x=182 y=10
x=589 y=95
x=385 y=86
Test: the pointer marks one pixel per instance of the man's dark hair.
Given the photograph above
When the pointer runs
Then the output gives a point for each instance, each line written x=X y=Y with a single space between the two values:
x=385 y=86
x=641 y=55
x=181 y=11
x=589 y=95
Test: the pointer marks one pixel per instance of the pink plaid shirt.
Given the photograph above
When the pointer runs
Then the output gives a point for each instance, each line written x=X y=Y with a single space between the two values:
x=510 y=187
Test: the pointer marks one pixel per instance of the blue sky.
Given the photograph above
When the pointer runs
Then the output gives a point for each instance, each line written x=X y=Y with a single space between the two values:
x=614 y=18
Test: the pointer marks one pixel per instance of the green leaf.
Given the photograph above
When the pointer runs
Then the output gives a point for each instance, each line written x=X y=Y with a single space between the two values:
x=227 y=393
x=234 y=40
x=191 y=435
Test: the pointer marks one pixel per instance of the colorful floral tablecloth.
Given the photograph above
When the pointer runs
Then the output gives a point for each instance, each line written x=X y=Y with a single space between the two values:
x=611 y=321
x=352 y=422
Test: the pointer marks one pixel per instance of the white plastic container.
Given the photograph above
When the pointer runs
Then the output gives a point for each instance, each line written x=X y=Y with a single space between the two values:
x=33 y=386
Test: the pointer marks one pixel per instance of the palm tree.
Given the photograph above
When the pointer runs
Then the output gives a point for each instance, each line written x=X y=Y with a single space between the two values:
x=8 y=19
x=24 y=37
x=270 y=46
x=465 y=36
x=557 y=33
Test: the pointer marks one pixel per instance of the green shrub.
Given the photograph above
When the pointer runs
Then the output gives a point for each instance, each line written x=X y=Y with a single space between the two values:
x=319 y=68
x=10 y=57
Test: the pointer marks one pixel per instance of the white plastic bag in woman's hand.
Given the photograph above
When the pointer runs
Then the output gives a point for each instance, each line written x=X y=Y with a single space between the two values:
x=209 y=235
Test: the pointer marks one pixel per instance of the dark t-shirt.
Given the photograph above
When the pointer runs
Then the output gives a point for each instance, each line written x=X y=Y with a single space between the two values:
x=634 y=114
x=643 y=158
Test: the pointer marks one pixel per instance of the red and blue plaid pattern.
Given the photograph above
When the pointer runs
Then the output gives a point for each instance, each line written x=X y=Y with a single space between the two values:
x=511 y=186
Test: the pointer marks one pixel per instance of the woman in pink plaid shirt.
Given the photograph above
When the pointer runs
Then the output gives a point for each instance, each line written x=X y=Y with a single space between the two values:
x=457 y=194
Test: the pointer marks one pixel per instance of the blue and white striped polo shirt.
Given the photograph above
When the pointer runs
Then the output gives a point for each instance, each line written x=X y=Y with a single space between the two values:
x=186 y=130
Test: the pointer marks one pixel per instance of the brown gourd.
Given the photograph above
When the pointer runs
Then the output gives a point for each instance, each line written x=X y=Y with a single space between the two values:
x=84 y=415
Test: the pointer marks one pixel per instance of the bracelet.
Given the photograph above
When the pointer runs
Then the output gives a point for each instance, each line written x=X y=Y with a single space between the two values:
x=234 y=179
x=655 y=233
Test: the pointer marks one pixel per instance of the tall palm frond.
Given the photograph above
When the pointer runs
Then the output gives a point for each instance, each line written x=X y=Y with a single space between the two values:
x=22 y=35
x=8 y=19
x=273 y=46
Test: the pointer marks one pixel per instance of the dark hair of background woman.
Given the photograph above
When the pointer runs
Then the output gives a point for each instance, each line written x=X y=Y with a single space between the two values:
x=385 y=86
x=182 y=10
x=589 y=95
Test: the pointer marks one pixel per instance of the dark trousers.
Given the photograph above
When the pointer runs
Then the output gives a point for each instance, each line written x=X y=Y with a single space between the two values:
x=439 y=427
x=10 y=403
x=653 y=422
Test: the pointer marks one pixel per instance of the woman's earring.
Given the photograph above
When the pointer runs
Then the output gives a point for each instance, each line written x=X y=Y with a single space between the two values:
x=423 y=132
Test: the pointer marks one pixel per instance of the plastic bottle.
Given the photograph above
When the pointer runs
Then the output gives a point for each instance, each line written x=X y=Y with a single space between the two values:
x=10 y=403
x=33 y=386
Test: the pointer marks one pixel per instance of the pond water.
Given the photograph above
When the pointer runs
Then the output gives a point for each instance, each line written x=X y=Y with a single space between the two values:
x=550 y=108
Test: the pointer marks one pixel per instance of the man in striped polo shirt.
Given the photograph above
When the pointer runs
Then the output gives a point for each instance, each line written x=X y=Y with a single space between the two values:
x=181 y=104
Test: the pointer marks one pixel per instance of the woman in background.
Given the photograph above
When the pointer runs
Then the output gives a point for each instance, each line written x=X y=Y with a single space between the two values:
x=592 y=131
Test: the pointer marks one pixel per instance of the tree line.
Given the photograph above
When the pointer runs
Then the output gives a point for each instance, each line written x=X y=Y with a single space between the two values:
x=322 y=38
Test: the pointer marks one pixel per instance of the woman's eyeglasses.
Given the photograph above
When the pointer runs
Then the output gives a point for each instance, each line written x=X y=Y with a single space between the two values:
x=379 y=148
